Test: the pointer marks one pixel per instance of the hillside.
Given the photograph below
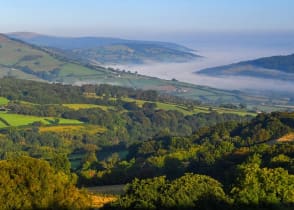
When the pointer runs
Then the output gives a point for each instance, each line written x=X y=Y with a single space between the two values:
x=275 y=67
x=24 y=61
x=104 y=50
x=164 y=147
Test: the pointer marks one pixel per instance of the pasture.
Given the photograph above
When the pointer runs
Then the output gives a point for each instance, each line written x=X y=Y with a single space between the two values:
x=87 y=106
x=3 y=101
x=24 y=120
x=90 y=129
x=190 y=111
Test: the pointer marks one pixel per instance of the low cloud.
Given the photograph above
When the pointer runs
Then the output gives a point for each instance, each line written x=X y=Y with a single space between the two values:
x=215 y=57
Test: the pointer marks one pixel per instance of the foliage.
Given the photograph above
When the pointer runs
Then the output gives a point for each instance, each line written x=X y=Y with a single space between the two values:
x=262 y=186
x=27 y=183
x=159 y=193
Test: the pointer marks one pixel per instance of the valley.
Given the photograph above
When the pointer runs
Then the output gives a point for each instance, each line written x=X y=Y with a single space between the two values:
x=35 y=63
x=147 y=105
x=108 y=136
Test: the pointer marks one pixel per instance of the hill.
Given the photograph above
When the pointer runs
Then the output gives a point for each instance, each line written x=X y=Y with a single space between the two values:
x=275 y=67
x=104 y=50
x=164 y=146
x=25 y=61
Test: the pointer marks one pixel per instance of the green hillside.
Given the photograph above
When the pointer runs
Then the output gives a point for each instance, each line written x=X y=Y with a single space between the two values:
x=24 y=61
x=162 y=146
x=105 y=50
x=275 y=67
x=20 y=60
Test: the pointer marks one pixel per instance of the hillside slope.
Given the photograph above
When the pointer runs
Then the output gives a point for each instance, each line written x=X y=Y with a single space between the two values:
x=275 y=67
x=104 y=50
x=24 y=61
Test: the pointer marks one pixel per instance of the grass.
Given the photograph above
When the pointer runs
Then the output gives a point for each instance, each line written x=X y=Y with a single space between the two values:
x=194 y=110
x=287 y=138
x=60 y=128
x=107 y=189
x=13 y=53
x=184 y=109
x=3 y=101
x=2 y=125
x=99 y=201
x=87 y=106
x=76 y=70
x=90 y=129
x=23 y=120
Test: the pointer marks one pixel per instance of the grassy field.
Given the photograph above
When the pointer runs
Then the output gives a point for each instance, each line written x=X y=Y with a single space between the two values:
x=12 y=53
x=73 y=69
x=287 y=138
x=3 y=101
x=107 y=189
x=16 y=56
x=2 y=125
x=99 y=201
x=191 y=111
x=90 y=129
x=87 y=106
x=23 y=120
x=102 y=195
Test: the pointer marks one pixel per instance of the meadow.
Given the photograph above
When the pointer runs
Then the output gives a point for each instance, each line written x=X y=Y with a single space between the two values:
x=191 y=110
x=16 y=120
x=3 y=101
x=90 y=129
x=87 y=106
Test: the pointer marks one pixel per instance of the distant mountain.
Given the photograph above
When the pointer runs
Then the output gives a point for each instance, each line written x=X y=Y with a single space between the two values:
x=275 y=67
x=104 y=50
x=21 y=60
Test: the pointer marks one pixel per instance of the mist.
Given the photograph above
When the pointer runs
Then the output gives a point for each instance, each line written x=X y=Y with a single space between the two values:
x=218 y=50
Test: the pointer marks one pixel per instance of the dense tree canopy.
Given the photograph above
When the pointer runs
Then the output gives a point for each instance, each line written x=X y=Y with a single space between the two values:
x=191 y=191
x=28 y=183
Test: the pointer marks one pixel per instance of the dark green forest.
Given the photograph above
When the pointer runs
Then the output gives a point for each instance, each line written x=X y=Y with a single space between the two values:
x=169 y=159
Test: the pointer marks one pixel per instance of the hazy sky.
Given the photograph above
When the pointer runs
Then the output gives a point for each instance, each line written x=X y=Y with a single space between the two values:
x=145 y=17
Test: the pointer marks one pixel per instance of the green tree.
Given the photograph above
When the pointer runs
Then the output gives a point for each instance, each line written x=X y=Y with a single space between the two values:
x=263 y=186
x=28 y=183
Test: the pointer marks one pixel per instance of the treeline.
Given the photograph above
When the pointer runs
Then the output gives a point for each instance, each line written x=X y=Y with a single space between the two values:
x=128 y=122
x=253 y=188
x=231 y=168
x=214 y=151
x=44 y=93
x=32 y=184
x=172 y=160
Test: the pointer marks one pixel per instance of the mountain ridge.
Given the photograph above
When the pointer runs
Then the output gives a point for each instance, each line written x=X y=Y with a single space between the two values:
x=109 y=50
x=274 y=67
x=25 y=61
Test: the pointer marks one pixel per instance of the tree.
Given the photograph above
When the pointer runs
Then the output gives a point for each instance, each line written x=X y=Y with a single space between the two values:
x=191 y=191
x=263 y=186
x=61 y=163
x=28 y=183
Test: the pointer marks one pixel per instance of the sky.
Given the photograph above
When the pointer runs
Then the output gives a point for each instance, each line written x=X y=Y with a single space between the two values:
x=222 y=31
x=143 y=18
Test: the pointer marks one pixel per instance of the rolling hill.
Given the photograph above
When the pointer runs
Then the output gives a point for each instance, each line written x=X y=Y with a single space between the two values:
x=275 y=67
x=25 y=61
x=104 y=50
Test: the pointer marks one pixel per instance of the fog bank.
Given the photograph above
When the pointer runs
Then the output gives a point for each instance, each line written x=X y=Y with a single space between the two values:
x=223 y=49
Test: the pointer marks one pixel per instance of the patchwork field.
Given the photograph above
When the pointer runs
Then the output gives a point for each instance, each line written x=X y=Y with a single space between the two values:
x=90 y=129
x=23 y=120
x=3 y=101
x=190 y=111
x=87 y=106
